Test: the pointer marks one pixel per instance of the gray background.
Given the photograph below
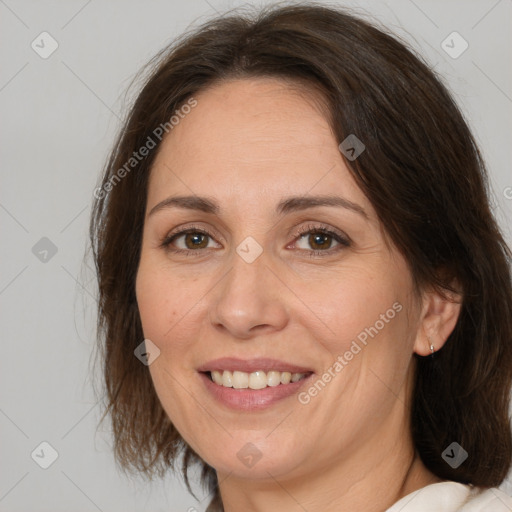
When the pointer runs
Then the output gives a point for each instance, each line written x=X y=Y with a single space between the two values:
x=59 y=116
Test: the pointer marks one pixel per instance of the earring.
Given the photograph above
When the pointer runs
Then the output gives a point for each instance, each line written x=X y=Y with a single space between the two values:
x=432 y=350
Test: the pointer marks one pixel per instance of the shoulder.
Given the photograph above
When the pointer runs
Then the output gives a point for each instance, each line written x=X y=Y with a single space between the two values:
x=488 y=500
x=454 y=497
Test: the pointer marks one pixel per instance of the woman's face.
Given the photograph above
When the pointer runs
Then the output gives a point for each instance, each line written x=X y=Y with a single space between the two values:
x=261 y=254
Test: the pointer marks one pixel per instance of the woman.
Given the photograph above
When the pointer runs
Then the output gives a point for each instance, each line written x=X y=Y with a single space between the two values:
x=302 y=287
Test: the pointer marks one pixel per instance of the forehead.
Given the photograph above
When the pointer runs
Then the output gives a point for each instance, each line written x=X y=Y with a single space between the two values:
x=250 y=137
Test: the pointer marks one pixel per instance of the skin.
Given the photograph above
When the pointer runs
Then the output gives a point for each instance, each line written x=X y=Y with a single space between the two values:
x=247 y=145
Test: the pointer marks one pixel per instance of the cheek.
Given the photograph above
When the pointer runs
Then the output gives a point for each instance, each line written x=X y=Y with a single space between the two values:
x=357 y=304
x=168 y=317
x=365 y=327
x=164 y=300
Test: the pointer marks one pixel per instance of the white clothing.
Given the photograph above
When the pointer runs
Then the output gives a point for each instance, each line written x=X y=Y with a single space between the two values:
x=453 y=497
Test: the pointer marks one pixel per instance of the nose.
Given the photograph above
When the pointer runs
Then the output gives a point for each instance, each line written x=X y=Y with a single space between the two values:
x=250 y=300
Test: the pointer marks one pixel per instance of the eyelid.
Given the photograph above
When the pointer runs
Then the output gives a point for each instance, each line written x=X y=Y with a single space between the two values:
x=184 y=229
x=341 y=237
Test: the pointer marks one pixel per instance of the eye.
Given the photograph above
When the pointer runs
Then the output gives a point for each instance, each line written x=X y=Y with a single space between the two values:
x=191 y=239
x=317 y=239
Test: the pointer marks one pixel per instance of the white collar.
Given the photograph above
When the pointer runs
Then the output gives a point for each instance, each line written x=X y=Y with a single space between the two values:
x=453 y=497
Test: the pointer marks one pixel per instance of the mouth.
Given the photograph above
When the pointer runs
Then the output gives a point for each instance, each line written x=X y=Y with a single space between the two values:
x=259 y=379
x=250 y=385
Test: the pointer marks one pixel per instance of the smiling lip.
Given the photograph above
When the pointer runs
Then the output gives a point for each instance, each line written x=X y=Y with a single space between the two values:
x=251 y=399
x=251 y=365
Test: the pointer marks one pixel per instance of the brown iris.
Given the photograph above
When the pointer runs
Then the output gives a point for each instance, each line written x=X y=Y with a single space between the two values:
x=196 y=240
x=319 y=241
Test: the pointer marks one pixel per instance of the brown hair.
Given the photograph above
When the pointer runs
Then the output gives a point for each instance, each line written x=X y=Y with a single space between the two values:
x=421 y=170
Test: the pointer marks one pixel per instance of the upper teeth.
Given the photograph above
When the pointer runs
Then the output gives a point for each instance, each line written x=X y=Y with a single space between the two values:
x=254 y=380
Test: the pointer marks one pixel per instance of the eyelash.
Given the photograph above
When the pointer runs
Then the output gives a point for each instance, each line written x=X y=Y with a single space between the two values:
x=342 y=240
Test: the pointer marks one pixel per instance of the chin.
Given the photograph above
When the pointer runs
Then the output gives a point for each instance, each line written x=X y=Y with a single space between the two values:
x=254 y=456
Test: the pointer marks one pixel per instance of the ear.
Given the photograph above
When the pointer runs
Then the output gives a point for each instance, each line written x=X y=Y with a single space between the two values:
x=439 y=316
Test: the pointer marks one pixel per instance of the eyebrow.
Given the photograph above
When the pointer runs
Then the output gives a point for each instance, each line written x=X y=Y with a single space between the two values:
x=288 y=205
